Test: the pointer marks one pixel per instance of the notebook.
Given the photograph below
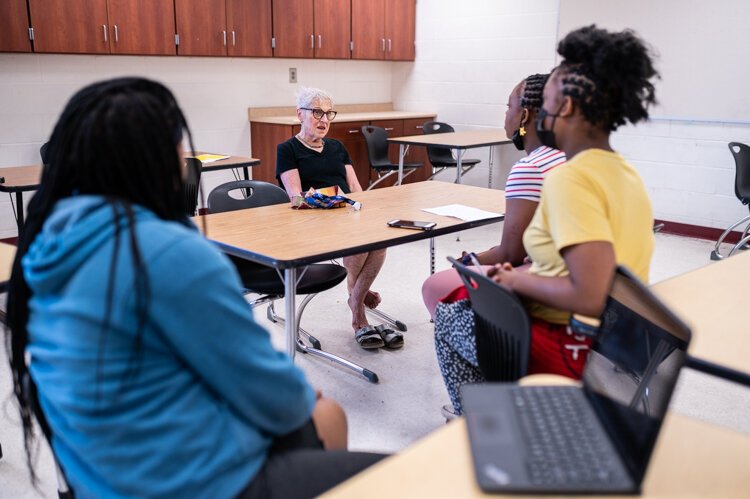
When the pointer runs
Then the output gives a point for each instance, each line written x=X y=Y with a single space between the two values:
x=595 y=438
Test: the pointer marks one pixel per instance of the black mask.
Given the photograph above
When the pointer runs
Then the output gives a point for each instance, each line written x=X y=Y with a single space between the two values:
x=546 y=137
x=517 y=139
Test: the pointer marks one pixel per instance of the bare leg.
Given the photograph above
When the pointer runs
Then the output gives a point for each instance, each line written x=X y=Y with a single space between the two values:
x=361 y=270
x=330 y=422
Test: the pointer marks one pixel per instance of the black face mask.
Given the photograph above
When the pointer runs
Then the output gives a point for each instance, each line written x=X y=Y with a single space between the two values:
x=546 y=137
x=517 y=139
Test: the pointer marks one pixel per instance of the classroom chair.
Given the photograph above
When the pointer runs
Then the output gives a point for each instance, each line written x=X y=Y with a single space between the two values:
x=192 y=182
x=441 y=157
x=377 y=152
x=266 y=281
x=741 y=153
x=502 y=326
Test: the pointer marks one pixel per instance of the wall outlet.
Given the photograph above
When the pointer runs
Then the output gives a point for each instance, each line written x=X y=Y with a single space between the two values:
x=292 y=75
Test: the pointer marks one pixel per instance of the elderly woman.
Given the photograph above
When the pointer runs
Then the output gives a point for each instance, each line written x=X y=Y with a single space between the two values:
x=309 y=160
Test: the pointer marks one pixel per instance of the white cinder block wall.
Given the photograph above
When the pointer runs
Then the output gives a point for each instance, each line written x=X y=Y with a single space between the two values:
x=470 y=55
x=213 y=92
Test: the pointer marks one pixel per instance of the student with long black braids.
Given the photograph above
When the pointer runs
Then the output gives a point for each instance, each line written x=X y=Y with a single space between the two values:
x=150 y=373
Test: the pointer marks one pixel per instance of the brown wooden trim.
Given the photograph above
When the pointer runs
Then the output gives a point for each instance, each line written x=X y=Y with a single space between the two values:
x=697 y=231
x=10 y=240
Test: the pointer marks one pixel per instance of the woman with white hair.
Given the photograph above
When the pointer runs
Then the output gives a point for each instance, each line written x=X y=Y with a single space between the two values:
x=310 y=160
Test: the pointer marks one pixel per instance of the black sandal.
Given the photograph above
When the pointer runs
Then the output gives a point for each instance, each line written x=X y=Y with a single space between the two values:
x=369 y=337
x=392 y=339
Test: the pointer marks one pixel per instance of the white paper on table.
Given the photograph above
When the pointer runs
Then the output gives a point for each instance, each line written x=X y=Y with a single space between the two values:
x=463 y=212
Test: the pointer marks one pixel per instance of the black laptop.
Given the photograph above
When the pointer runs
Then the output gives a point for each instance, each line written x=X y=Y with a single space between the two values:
x=594 y=439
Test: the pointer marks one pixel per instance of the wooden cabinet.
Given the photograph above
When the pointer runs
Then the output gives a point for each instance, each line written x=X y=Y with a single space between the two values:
x=400 y=25
x=265 y=137
x=14 y=26
x=249 y=28
x=224 y=27
x=141 y=27
x=70 y=27
x=383 y=29
x=312 y=28
x=103 y=26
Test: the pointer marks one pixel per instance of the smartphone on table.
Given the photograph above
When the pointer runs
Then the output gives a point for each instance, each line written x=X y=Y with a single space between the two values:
x=412 y=224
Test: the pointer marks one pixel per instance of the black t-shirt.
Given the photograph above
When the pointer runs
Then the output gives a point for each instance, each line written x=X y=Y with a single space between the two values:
x=316 y=169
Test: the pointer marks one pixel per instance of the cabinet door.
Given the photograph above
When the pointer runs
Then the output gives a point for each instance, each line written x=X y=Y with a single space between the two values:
x=368 y=29
x=71 y=27
x=417 y=154
x=201 y=25
x=249 y=28
x=332 y=29
x=400 y=19
x=293 y=28
x=142 y=27
x=350 y=134
x=14 y=27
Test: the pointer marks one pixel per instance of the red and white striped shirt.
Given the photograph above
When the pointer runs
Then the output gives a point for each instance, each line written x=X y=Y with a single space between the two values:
x=527 y=175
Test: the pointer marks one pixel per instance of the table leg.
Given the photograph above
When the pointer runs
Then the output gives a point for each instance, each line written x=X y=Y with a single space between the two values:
x=432 y=255
x=401 y=154
x=246 y=172
x=290 y=307
x=492 y=161
x=459 y=155
x=19 y=211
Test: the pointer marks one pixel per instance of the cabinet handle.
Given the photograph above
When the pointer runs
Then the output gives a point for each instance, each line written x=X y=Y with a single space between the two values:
x=104 y=30
x=389 y=45
x=234 y=39
x=383 y=42
x=117 y=38
x=353 y=131
x=388 y=129
x=225 y=37
x=320 y=41
x=418 y=127
x=312 y=41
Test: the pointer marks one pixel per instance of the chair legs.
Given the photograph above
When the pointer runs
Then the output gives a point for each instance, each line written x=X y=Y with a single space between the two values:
x=407 y=172
x=387 y=318
x=436 y=170
x=316 y=348
x=716 y=253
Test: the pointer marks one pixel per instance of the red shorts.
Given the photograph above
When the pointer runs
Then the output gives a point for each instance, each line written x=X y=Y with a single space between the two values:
x=556 y=350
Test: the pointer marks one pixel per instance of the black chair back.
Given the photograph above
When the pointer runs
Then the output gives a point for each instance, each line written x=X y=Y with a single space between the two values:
x=438 y=155
x=377 y=146
x=253 y=193
x=502 y=325
x=43 y=153
x=741 y=153
x=192 y=184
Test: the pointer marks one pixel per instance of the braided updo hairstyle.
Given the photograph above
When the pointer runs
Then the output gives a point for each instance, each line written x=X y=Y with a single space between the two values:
x=608 y=75
x=531 y=98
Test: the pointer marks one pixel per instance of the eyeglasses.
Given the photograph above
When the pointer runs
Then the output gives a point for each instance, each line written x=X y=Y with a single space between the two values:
x=318 y=113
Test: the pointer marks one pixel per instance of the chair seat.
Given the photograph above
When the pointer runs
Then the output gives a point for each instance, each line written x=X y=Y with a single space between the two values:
x=392 y=167
x=266 y=280
x=452 y=164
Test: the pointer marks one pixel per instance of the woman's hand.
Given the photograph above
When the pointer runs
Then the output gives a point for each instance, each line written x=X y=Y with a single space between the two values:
x=503 y=274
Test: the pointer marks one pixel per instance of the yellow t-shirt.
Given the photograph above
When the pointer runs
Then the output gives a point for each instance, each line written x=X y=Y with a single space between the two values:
x=598 y=196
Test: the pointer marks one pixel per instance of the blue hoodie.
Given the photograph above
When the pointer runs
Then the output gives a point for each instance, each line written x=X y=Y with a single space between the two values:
x=194 y=411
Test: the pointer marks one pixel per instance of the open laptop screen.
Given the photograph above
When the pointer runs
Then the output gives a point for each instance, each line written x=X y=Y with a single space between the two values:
x=633 y=367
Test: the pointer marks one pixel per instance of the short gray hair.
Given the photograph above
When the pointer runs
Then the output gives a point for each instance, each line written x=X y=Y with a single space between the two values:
x=306 y=96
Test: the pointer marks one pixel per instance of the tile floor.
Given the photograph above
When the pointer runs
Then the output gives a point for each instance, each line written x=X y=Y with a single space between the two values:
x=405 y=404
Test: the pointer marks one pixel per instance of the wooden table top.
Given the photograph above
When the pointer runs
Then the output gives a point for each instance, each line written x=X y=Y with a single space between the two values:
x=20 y=178
x=282 y=237
x=27 y=178
x=455 y=140
x=343 y=117
x=712 y=301
x=691 y=459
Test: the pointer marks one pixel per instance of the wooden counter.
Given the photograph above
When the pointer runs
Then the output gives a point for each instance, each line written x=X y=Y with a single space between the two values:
x=271 y=126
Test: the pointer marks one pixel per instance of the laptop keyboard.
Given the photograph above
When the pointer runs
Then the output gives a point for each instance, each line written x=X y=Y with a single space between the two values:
x=562 y=448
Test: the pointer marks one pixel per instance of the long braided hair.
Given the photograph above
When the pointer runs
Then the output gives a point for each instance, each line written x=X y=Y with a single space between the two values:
x=117 y=139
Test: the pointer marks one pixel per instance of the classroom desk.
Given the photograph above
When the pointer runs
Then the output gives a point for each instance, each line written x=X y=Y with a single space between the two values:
x=288 y=240
x=20 y=179
x=712 y=301
x=691 y=459
x=458 y=141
